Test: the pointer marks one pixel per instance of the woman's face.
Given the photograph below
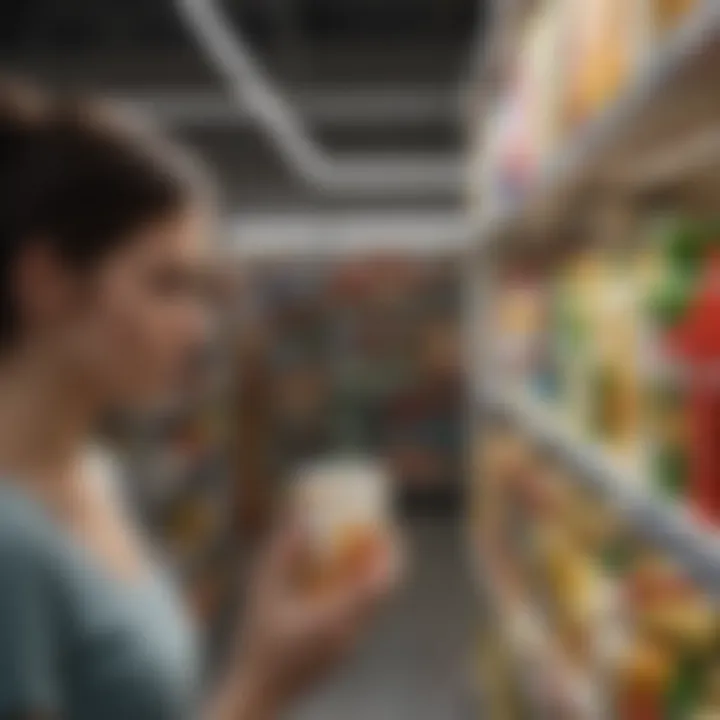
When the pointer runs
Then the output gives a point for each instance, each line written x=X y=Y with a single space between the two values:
x=137 y=319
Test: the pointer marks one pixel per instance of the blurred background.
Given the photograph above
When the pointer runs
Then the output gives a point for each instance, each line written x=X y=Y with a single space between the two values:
x=340 y=306
x=475 y=240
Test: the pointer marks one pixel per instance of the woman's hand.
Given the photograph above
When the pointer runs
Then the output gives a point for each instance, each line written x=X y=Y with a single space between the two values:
x=293 y=638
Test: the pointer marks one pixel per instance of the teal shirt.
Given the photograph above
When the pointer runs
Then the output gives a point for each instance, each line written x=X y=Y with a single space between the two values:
x=77 y=643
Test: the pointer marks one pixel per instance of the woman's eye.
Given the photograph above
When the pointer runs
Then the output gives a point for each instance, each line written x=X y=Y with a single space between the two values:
x=177 y=282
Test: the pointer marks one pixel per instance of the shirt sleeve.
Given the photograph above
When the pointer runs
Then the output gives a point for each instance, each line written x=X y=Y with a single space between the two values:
x=28 y=677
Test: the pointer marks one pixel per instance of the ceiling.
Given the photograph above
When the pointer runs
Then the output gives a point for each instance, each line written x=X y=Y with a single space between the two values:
x=367 y=76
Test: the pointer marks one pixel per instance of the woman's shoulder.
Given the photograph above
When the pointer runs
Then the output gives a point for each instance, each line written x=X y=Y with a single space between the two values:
x=28 y=530
x=27 y=540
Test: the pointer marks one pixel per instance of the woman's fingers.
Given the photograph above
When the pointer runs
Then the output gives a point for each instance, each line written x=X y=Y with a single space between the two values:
x=347 y=607
x=277 y=566
x=387 y=572
x=296 y=632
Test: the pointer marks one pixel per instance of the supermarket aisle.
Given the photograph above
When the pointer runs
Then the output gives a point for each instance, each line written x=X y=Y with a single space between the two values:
x=416 y=664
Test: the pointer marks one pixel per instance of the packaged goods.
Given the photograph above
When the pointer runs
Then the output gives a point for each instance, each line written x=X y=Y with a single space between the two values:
x=526 y=126
x=680 y=623
x=614 y=628
x=602 y=37
x=581 y=291
x=615 y=384
x=669 y=431
x=510 y=157
x=540 y=69
x=625 y=347
x=519 y=320
x=597 y=343
x=606 y=358
x=675 y=252
x=685 y=305
x=643 y=678
x=668 y=14
x=344 y=508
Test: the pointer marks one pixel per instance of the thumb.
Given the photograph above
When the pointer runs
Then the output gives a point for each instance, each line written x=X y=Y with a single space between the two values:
x=282 y=557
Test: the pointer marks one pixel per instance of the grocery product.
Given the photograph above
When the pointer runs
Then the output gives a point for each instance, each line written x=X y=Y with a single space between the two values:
x=572 y=60
x=343 y=507
x=540 y=70
x=614 y=628
x=668 y=430
x=518 y=326
x=624 y=346
x=607 y=357
x=668 y=14
x=615 y=383
x=596 y=334
x=673 y=249
x=525 y=128
x=602 y=39
x=508 y=165
x=685 y=305
x=570 y=329
x=643 y=677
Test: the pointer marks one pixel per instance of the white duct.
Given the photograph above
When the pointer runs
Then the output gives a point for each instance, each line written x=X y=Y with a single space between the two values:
x=348 y=234
x=251 y=87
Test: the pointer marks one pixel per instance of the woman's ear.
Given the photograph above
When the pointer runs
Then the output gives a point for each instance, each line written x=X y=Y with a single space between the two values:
x=44 y=288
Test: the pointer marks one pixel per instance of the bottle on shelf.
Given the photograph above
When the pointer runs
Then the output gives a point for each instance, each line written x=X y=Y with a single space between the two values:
x=685 y=308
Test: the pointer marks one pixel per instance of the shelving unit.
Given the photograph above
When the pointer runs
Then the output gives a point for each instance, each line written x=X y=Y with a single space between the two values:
x=684 y=69
x=671 y=529
x=661 y=135
x=542 y=675
x=660 y=132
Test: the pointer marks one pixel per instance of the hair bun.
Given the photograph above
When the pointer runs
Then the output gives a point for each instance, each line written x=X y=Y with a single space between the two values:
x=79 y=181
x=22 y=102
x=23 y=113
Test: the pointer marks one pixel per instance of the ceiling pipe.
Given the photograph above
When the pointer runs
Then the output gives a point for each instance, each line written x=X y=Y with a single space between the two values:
x=369 y=107
x=252 y=89
x=348 y=234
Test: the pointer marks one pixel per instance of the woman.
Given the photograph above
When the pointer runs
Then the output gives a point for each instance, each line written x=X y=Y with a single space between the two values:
x=102 y=230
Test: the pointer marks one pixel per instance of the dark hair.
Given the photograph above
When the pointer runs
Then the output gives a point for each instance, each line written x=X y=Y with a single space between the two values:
x=80 y=176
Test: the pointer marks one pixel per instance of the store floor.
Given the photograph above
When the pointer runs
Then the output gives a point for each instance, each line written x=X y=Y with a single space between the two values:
x=416 y=663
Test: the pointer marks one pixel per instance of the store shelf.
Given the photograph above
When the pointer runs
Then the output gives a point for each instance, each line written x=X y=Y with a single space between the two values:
x=667 y=527
x=648 y=137
x=545 y=678
x=500 y=608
